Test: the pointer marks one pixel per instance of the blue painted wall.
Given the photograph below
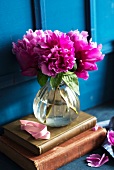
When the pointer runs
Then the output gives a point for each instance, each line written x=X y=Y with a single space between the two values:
x=16 y=91
x=17 y=16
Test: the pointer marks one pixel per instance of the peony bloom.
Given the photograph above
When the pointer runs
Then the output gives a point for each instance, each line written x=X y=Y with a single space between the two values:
x=110 y=137
x=95 y=160
x=56 y=54
x=45 y=54
x=24 y=50
x=86 y=54
x=51 y=52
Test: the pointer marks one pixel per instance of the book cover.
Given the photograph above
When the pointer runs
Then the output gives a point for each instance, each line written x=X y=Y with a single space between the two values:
x=58 y=135
x=58 y=156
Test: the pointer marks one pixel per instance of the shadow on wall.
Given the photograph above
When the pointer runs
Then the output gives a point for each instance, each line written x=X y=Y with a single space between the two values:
x=99 y=88
x=109 y=78
x=8 y=62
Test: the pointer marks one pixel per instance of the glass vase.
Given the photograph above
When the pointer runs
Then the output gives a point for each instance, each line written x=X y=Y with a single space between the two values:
x=56 y=107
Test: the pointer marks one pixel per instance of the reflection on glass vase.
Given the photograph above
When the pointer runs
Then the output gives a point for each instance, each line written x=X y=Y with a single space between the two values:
x=56 y=107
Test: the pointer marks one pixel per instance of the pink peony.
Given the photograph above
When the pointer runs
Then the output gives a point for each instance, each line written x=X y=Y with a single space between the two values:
x=56 y=52
x=56 y=55
x=86 y=54
x=24 y=50
x=95 y=160
x=52 y=52
x=110 y=137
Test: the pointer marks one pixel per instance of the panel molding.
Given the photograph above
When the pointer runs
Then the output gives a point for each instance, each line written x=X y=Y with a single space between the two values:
x=40 y=14
x=43 y=15
x=37 y=12
x=13 y=79
x=108 y=46
x=93 y=23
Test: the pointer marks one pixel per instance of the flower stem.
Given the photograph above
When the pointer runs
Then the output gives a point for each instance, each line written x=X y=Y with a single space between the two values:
x=49 y=108
x=69 y=105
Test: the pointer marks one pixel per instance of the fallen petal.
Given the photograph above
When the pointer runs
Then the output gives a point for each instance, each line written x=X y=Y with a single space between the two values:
x=110 y=137
x=37 y=130
x=95 y=128
x=95 y=160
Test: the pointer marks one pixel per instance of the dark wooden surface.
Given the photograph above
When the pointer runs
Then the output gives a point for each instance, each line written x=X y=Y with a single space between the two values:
x=102 y=112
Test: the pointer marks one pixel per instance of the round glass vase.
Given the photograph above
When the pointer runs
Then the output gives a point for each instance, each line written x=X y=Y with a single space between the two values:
x=56 y=107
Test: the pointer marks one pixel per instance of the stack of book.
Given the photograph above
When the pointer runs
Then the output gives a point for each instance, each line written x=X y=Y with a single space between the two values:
x=66 y=143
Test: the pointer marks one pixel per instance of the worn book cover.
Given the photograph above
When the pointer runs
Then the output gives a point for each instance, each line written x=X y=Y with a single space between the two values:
x=60 y=155
x=58 y=135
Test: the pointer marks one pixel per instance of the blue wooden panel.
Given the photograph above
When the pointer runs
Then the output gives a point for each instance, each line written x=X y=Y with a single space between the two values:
x=17 y=101
x=102 y=23
x=63 y=15
x=16 y=91
x=16 y=18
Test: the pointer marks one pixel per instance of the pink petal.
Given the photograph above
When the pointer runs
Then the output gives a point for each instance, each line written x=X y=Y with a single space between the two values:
x=95 y=128
x=110 y=136
x=95 y=160
x=82 y=74
x=89 y=66
x=37 y=130
x=46 y=71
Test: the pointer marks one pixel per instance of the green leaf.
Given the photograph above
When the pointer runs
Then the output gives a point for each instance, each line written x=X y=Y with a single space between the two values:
x=72 y=81
x=41 y=78
x=67 y=73
x=55 y=81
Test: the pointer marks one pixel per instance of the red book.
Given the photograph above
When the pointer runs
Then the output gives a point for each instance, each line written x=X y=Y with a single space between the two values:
x=56 y=157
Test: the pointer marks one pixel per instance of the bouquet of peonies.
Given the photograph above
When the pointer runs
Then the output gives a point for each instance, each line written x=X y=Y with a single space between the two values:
x=57 y=56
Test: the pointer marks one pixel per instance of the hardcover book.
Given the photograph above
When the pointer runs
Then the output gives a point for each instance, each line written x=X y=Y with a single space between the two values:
x=58 y=156
x=58 y=135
